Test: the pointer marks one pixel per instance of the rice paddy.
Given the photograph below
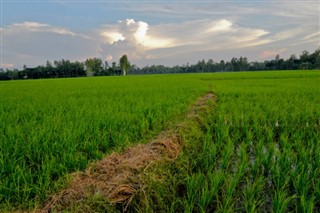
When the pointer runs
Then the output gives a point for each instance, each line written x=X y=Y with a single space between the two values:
x=258 y=149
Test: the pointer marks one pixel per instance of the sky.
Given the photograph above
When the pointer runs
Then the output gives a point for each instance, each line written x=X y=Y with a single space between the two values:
x=155 y=32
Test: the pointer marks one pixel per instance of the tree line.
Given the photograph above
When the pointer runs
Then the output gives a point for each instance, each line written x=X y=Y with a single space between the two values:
x=96 y=67
x=67 y=69
x=306 y=61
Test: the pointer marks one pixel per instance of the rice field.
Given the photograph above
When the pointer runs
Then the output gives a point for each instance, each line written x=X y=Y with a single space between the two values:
x=257 y=150
x=260 y=151
x=52 y=127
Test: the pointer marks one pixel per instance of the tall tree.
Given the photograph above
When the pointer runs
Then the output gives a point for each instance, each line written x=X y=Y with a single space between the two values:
x=94 y=65
x=124 y=64
x=315 y=59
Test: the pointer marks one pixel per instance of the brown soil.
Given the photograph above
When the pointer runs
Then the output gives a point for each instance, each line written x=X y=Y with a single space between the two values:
x=116 y=177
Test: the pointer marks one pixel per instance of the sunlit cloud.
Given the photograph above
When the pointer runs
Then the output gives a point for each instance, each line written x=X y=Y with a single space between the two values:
x=7 y=66
x=166 y=34
x=272 y=53
x=113 y=36
x=135 y=32
x=133 y=38
x=221 y=25
x=40 y=27
x=140 y=41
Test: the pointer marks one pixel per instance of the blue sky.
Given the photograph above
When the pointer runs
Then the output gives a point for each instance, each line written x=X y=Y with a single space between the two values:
x=155 y=32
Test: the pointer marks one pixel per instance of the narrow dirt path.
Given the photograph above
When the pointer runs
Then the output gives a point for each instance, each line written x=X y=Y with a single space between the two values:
x=116 y=177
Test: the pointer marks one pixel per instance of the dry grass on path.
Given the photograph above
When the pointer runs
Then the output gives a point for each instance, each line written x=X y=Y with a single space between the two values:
x=116 y=177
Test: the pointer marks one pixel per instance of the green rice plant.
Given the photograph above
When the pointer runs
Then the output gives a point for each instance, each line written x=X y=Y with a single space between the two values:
x=226 y=155
x=257 y=150
x=227 y=199
x=262 y=142
x=194 y=191
x=50 y=128
x=307 y=204
x=253 y=194
x=281 y=201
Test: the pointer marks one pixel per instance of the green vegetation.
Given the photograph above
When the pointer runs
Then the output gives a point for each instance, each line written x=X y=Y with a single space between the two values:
x=52 y=127
x=262 y=144
x=96 y=67
x=124 y=64
x=258 y=150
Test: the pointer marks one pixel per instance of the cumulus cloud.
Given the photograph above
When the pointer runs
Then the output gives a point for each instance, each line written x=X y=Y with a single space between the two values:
x=140 y=41
x=32 y=43
x=133 y=38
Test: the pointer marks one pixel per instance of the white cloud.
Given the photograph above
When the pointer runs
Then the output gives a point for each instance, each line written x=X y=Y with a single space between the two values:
x=135 y=33
x=30 y=25
x=312 y=36
x=140 y=41
x=39 y=27
x=286 y=34
x=221 y=25
x=32 y=43
x=131 y=37
x=295 y=10
x=222 y=29
x=113 y=36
